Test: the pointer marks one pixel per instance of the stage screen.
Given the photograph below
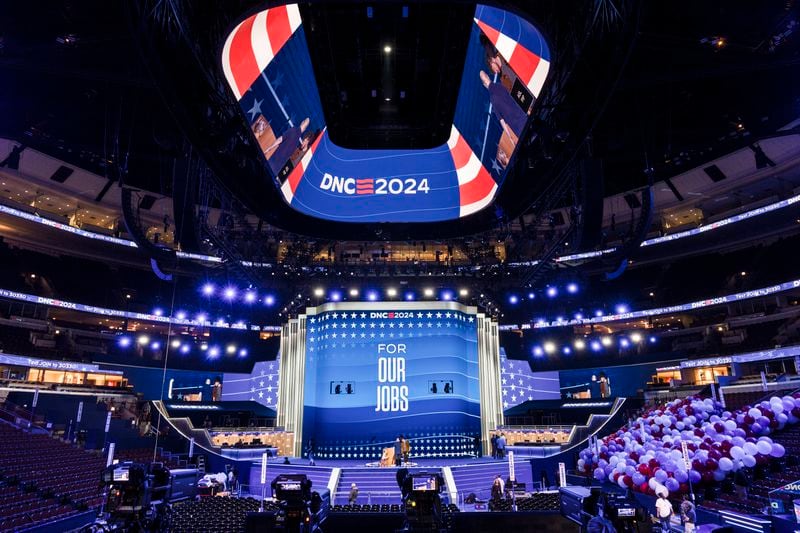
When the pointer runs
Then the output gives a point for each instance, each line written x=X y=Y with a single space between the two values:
x=373 y=373
x=266 y=62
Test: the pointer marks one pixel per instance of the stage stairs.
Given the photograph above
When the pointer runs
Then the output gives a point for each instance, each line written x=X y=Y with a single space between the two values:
x=478 y=478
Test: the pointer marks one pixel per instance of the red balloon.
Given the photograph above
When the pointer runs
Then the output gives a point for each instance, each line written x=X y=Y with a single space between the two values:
x=684 y=488
x=627 y=480
x=719 y=427
x=711 y=465
x=698 y=432
x=644 y=470
x=616 y=476
x=774 y=424
x=796 y=411
x=653 y=464
x=707 y=476
x=749 y=420
x=698 y=465
x=643 y=487
x=634 y=456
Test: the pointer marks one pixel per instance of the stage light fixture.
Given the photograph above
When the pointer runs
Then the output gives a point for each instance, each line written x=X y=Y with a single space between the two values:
x=319 y=292
x=623 y=342
x=621 y=309
x=185 y=349
x=201 y=318
x=353 y=292
x=250 y=297
x=158 y=311
x=636 y=337
x=551 y=292
x=372 y=296
x=243 y=352
x=230 y=349
x=180 y=315
x=269 y=300
x=653 y=340
x=531 y=296
x=537 y=351
x=579 y=344
x=572 y=288
x=578 y=316
x=204 y=346
x=175 y=343
x=208 y=289
x=410 y=296
x=387 y=49
x=463 y=292
x=143 y=339
x=336 y=296
x=391 y=292
x=155 y=345
x=124 y=342
x=549 y=347
x=513 y=299
x=566 y=350
x=596 y=346
x=229 y=293
x=606 y=340
x=447 y=296
x=599 y=313
x=428 y=292
x=213 y=351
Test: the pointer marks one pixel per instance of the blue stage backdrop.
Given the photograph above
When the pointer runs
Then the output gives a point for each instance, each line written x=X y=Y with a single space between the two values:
x=260 y=385
x=520 y=384
x=371 y=376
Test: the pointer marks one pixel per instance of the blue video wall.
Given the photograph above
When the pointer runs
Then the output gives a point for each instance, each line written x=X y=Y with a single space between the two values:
x=268 y=68
x=371 y=376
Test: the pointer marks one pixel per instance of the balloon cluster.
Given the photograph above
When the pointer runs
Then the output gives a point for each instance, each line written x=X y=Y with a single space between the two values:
x=647 y=456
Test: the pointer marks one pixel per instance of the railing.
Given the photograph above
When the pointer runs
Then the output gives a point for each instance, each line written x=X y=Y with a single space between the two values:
x=366 y=497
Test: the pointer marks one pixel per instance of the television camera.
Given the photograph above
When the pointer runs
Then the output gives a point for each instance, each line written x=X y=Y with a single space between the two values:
x=136 y=497
x=587 y=507
x=422 y=501
x=301 y=510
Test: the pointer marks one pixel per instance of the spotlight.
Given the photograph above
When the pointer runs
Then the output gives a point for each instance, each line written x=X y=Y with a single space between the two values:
x=175 y=343
x=572 y=288
x=353 y=292
x=410 y=296
x=143 y=339
x=606 y=340
x=636 y=337
x=428 y=292
x=513 y=299
x=552 y=292
x=387 y=49
x=124 y=342
x=579 y=344
x=623 y=342
x=391 y=292
x=336 y=296
x=155 y=346
x=158 y=311
x=598 y=313
x=203 y=346
x=213 y=351
x=537 y=351
x=463 y=292
x=531 y=296
x=596 y=347
x=621 y=309
x=447 y=296
x=653 y=340
x=319 y=292
x=243 y=352
x=372 y=296
x=578 y=316
x=549 y=347
x=185 y=349
x=201 y=318
x=567 y=350
x=250 y=297
x=269 y=300
x=229 y=293
x=208 y=289
x=180 y=315
x=229 y=349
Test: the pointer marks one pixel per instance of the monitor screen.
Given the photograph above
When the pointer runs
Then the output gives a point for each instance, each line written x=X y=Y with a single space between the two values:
x=268 y=68
x=122 y=474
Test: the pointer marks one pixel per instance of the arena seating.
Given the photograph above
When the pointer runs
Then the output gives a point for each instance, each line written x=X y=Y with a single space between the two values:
x=44 y=479
x=212 y=515
x=538 y=501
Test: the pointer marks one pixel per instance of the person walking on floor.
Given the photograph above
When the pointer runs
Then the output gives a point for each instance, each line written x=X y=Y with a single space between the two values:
x=664 y=511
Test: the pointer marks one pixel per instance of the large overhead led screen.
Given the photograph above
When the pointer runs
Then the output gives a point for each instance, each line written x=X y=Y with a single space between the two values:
x=268 y=67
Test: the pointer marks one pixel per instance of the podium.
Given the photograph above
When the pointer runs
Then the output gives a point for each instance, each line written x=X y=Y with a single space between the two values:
x=387 y=457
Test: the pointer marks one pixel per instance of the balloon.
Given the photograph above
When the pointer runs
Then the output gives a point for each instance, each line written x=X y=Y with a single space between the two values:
x=749 y=461
x=756 y=428
x=764 y=447
x=778 y=450
x=682 y=476
x=725 y=464
x=750 y=448
x=661 y=476
x=754 y=413
x=599 y=474
x=672 y=484
x=737 y=452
